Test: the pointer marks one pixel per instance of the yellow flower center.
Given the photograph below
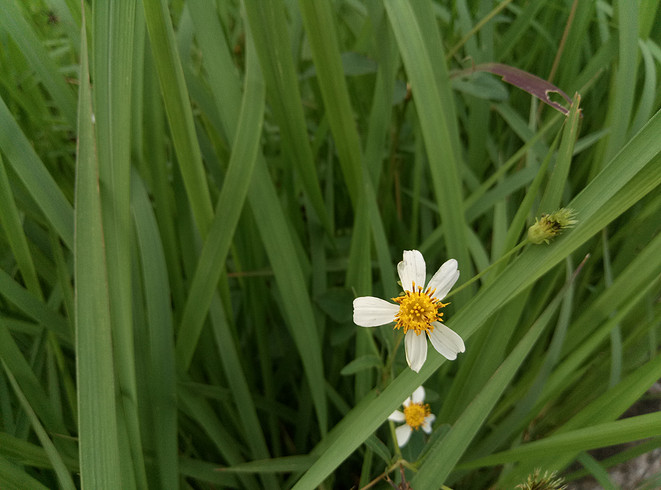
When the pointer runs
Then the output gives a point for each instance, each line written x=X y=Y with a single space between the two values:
x=415 y=414
x=417 y=310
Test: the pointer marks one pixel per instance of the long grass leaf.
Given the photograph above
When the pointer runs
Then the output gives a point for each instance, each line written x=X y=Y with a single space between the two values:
x=62 y=472
x=272 y=42
x=321 y=34
x=40 y=60
x=162 y=376
x=228 y=209
x=97 y=423
x=436 y=125
x=32 y=172
x=112 y=74
x=178 y=109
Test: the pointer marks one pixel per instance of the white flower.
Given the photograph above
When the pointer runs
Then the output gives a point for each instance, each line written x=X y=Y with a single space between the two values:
x=416 y=415
x=417 y=310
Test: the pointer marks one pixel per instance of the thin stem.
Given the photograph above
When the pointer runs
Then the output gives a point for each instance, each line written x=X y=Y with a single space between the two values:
x=476 y=28
x=477 y=276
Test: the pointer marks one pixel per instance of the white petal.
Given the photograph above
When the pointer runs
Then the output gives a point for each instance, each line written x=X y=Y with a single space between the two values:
x=444 y=279
x=403 y=432
x=397 y=416
x=416 y=350
x=412 y=269
x=369 y=311
x=418 y=395
x=446 y=341
x=407 y=402
x=426 y=425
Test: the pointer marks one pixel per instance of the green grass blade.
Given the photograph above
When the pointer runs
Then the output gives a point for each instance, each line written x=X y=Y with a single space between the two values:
x=274 y=230
x=62 y=472
x=97 y=422
x=552 y=198
x=291 y=282
x=33 y=174
x=39 y=59
x=29 y=384
x=11 y=223
x=228 y=210
x=112 y=75
x=592 y=437
x=268 y=23
x=436 y=125
x=162 y=375
x=178 y=109
x=15 y=478
x=322 y=37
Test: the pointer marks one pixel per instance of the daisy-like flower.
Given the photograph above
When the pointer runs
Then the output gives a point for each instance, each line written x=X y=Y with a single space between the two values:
x=416 y=414
x=417 y=310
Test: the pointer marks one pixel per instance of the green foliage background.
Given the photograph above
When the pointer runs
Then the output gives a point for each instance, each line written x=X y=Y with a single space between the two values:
x=193 y=192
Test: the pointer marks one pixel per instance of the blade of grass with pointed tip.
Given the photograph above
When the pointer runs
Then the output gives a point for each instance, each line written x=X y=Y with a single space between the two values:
x=39 y=59
x=33 y=174
x=285 y=464
x=33 y=308
x=162 y=379
x=178 y=110
x=322 y=37
x=112 y=74
x=592 y=437
x=11 y=223
x=245 y=148
x=552 y=198
x=273 y=229
x=14 y=477
x=30 y=454
x=435 y=122
x=268 y=21
x=62 y=472
x=97 y=411
x=11 y=354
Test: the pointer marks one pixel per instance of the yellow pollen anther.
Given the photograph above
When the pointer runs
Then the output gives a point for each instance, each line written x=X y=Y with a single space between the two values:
x=415 y=414
x=417 y=310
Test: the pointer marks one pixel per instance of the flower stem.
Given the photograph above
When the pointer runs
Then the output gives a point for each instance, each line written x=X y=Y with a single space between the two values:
x=477 y=276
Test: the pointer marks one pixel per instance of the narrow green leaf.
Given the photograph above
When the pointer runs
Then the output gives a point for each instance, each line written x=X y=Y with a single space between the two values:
x=320 y=30
x=432 y=103
x=39 y=59
x=112 y=74
x=63 y=475
x=285 y=464
x=228 y=210
x=178 y=109
x=97 y=422
x=162 y=377
x=268 y=21
x=552 y=198
x=11 y=223
x=592 y=437
x=30 y=169
x=14 y=477
x=361 y=363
